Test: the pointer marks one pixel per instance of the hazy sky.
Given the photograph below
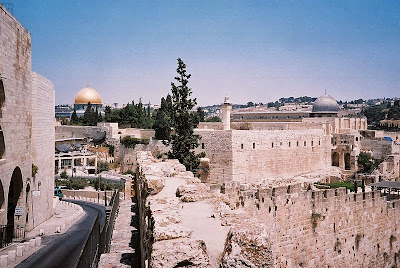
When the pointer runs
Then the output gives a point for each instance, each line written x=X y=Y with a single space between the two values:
x=251 y=50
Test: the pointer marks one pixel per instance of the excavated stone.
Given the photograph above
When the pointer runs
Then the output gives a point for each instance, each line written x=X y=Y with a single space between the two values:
x=247 y=247
x=193 y=192
x=182 y=252
x=155 y=184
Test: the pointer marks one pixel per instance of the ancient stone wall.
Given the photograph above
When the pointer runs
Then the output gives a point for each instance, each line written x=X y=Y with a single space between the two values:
x=67 y=132
x=127 y=156
x=16 y=111
x=379 y=149
x=43 y=134
x=249 y=156
x=323 y=228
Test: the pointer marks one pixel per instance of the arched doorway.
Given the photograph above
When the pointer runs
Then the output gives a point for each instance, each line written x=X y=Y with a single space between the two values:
x=335 y=159
x=14 y=193
x=347 y=165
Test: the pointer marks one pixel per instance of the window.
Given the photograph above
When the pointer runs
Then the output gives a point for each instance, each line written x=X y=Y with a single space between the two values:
x=2 y=96
x=289 y=143
x=272 y=145
x=297 y=144
x=312 y=143
x=202 y=145
x=241 y=146
x=2 y=145
x=254 y=145
x=357 y=138
x=305 y=143
x=319 y=142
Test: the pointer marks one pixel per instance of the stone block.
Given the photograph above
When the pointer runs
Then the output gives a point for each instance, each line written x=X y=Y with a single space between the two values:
x=32 y=243
x=3 y=261
x=38 y=241
x=20 y=251
x=12 y=255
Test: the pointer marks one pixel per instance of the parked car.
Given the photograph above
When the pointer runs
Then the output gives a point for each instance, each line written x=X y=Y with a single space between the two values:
x=58 y=192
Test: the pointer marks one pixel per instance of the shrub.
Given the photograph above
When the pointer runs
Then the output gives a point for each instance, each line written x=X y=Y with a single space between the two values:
x=130 y=142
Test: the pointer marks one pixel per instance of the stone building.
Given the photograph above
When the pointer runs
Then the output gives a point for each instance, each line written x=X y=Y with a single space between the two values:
x=257 y=146
x=26 y=131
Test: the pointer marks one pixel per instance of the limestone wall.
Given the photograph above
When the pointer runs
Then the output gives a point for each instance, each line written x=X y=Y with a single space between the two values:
x=43 y=135
x=66 y=132
x=326 y=228
x=379 y=149
x=250 y=155
x=261 y=155
x=16 y=110
x=127 y=156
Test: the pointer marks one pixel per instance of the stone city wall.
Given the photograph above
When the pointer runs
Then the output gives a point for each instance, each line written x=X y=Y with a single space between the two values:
x=43 y=134
x=326 y=228
x=16 y=109
x=67 y=132
x=378 y=149
x=263 y=154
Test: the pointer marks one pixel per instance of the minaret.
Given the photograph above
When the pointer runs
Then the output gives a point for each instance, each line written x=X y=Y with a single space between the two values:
x=226 y=114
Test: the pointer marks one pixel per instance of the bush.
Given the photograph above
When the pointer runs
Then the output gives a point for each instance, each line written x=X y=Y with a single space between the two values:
x=73 y=183
x=105 y=184
x=348 y=184
x=130 y=142
x=102 y=166
x=64 y=175
x=129 y=172
x=111 y=148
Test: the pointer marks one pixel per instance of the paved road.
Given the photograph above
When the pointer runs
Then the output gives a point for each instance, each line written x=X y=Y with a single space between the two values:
x=62 y=251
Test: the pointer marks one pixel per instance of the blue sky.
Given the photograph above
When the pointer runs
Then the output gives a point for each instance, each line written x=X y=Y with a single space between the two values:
x=251 y=50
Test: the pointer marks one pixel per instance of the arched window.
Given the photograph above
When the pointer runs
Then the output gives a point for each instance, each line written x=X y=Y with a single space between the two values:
x=2 y=95
x=335 y=159
x=2 y=145
x=347 y=165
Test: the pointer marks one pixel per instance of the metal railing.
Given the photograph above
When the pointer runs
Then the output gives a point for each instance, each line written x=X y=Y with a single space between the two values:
x=10 y=233
x=98 y=241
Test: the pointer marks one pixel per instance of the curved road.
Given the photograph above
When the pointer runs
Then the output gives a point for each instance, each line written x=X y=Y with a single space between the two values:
x=63 y=250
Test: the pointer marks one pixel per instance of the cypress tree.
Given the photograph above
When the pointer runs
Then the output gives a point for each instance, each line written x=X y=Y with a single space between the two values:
x=183 y=120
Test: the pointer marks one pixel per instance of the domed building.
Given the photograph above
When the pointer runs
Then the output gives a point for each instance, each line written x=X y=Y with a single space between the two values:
x=325 y=106
x=83 y=97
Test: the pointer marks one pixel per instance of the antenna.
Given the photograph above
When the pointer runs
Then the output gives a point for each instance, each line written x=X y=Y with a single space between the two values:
x=9 y=7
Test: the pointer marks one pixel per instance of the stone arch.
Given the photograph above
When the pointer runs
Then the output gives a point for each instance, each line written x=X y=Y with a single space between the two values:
x=347 y=165
x=2 y=144
x=335 y=159
x=14 y=194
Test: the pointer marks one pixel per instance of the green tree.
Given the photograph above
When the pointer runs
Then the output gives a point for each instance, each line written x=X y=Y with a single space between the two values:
x=107 y=114
x=74 y=118
x=183 y=120
x=200 y=114
x=162 y=122
x=89 y=118
x=63 y=175
x=213 y=119
x=366 y=163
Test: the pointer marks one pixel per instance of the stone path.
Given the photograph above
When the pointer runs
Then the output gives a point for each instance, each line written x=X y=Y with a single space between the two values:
x=125 y=243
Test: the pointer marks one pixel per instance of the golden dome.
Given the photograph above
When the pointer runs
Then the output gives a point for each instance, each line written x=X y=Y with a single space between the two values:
x=86 y=95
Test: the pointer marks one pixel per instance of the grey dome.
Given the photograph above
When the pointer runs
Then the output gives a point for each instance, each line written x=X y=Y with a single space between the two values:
x=325 y=104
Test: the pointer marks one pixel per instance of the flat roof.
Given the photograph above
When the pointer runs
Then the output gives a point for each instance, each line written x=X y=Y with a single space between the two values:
x=387 y=184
